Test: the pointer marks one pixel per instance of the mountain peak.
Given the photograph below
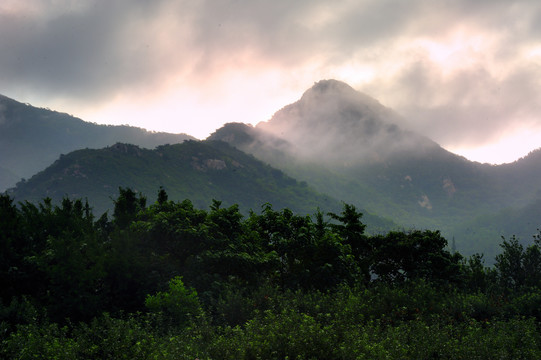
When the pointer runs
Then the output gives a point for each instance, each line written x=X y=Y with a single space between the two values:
x=331 y=85
x=334 y=122
x=328 y=103
x=332 y=89
x=234 y=133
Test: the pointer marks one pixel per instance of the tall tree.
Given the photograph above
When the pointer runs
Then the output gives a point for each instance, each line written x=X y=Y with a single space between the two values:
x=127 y=205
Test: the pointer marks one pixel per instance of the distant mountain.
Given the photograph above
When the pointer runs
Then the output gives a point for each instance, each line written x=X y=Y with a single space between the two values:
x=351 y=147
x=32 y=138
x=334 y=126
x=333 y=140
x=199 y=171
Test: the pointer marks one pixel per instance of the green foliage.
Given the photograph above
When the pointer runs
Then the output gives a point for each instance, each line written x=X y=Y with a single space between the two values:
x=286 y=335
x=11 y=247
x=127 y=205
x=45 y=341
x=415 y=255
x=476 y=275
x=351 y=230
x=519 y=268
x=178 y=303
x=171 y=281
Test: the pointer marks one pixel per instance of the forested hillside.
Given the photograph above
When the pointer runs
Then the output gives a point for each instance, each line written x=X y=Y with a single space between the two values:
x=195 y=170
x=167 y=280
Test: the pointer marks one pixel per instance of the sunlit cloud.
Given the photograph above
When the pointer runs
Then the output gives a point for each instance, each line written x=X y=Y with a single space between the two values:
x=199 y=112
x=507 y=149
x=464 y=73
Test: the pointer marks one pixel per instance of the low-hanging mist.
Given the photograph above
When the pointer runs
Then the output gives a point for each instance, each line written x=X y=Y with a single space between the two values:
x=336 y=125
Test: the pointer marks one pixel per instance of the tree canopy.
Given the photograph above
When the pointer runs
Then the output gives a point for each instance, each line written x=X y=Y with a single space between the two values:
x=263 y=285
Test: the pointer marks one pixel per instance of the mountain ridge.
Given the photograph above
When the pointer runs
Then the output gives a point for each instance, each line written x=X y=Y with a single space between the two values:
x=375 y=165
x=401 y=175
x=32 y=138
x=196 y=170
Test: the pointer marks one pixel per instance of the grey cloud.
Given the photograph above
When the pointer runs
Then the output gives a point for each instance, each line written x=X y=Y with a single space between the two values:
x=271 y=30
x=110 y=47
x=281 y=31
x=373 y=21
x=78 y=54
x=98 y=48
x=471 y=107
x=335 y=124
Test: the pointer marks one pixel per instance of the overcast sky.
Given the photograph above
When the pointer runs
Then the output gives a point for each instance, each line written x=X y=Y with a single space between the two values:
x=466 y=73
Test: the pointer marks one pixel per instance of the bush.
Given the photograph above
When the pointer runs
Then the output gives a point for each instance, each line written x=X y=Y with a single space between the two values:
x=284 y=335
x=178 y=306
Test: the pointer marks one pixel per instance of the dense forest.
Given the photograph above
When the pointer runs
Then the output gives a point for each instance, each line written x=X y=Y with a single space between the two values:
x=170 y=281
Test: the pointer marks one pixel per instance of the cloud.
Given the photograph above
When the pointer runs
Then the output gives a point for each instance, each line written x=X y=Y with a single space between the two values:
x=84 y=53
x=335 y=124
x=462 y=71
x=471 y=98
x=473 y=105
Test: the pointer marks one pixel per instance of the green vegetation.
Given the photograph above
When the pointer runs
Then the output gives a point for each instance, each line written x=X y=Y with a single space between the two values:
x=171 y=281
x=423 y=186
x=195 y=170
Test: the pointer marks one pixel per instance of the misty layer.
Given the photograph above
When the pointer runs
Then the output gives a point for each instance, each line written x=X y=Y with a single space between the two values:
x=334 y=123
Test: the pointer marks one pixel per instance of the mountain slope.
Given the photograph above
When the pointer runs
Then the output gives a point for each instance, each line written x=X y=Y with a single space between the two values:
x=346 y=144
x=334 y=124
x=32 y=138
x=199 y=171
x=351 y=147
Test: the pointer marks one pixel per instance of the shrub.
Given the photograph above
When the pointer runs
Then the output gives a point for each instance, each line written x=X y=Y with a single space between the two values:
x=178 y=305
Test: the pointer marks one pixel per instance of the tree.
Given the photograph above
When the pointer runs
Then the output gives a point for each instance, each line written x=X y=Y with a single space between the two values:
x=476 y=275
x=127 y=205
x=509 y=264
x=12 y=250
x=519 y=268
x=308 y=255
x=351 y=230
x=400 y=256
x=162 y=196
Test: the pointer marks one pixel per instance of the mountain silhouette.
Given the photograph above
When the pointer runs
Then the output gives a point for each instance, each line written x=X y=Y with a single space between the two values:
x=32 y=138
